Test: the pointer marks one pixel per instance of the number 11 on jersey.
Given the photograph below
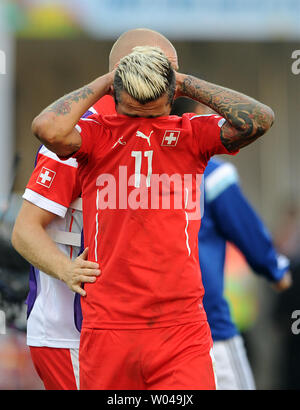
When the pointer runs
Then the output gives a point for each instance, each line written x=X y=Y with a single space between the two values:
x=138 y=165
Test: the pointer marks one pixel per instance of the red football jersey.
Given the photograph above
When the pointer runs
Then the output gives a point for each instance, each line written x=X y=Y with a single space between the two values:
x=140 y=183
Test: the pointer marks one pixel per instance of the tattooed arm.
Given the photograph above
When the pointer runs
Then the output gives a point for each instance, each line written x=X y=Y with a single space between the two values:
x=246 y=118
x=54 y=126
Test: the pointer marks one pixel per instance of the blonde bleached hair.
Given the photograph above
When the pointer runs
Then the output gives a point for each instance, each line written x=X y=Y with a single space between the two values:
x=145 y=74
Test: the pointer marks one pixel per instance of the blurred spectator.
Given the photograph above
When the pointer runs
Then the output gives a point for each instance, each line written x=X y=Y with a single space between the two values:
x=288 y=241
x=288 y=233
x=16 y=368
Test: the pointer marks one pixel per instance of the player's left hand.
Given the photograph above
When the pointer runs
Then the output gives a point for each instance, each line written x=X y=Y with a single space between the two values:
x=80 y=271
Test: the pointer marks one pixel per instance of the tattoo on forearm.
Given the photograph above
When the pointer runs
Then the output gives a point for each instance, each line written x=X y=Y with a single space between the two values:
x=63 y=105
x=247 y=119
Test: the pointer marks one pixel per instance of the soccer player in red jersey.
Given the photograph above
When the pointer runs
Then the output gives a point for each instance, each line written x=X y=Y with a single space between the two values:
x=144 y=325
x=48 y=214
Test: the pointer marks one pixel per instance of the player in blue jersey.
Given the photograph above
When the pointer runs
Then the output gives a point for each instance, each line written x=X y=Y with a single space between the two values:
x=228 y=216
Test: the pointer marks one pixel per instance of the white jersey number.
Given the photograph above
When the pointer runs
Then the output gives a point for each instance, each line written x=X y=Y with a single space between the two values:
x=138 y=165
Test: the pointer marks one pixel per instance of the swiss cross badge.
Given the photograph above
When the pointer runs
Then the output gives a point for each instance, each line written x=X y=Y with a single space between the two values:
x=46 y=177
x=170 y=139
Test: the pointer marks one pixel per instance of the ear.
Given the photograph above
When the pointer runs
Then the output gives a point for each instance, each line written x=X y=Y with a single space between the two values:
x=111 y=91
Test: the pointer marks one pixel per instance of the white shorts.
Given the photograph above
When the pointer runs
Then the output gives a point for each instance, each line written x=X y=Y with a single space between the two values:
x=232 y=366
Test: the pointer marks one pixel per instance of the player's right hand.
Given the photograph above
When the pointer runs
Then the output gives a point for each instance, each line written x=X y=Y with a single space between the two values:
x=81 y=271
x=179 y=92
x=110 y=76
x=284 y=283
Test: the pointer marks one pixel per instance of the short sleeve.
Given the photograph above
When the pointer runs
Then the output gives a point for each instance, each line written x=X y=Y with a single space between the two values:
x=54 y=184
x=91 y=130
x=207 y=132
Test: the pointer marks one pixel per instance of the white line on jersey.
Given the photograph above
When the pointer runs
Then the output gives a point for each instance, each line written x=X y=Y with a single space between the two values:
x=187 y=222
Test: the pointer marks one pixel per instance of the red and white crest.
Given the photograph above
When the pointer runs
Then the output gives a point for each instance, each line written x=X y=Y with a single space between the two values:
x=46 y=177
x=170 y=138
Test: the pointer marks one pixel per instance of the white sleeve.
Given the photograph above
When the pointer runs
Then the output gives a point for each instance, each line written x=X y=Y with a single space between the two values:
x=44 y=203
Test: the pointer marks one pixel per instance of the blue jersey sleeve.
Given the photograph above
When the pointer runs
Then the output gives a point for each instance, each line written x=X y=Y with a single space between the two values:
x=238 y=222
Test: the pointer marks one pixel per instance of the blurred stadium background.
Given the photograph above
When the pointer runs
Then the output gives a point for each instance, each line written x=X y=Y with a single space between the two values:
x=49 y=48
